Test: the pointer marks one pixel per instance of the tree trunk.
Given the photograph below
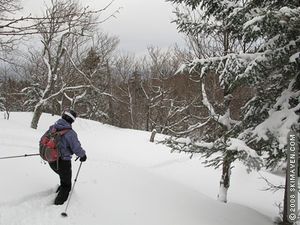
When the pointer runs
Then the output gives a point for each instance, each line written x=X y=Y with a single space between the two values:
x=6 y=114
x=148 y=117
x=153 y=135
x=131 y=108
x=225 y=181
x=111 y=113
x=285 y=203
x=38 y=110
x=226 y=42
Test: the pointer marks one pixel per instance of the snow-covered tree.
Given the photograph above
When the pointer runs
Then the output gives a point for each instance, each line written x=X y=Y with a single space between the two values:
x=11 y=98
x=208 y=23
x=96 y=64
x=62 y=25
x=126 y=89
x=274 y=71
x=268 y=63
x=150 y=96
x=163 y=105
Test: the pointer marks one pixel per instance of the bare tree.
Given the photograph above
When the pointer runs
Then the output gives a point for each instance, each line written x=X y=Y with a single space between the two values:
x=7 y=24
x=11 y=98
x=13 y=28
x=165 y=106
x=124 y=69
x=63 y=22
x=96 y=62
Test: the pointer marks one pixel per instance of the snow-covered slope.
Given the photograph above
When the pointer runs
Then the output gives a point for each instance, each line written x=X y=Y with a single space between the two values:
x=126 y=181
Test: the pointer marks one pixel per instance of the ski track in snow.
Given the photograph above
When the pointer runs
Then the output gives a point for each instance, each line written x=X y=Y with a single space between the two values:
x=126 y=181
x=112 y=200
x=13 y=146
x=38 y=209
x=168 y=163
x=29 y=209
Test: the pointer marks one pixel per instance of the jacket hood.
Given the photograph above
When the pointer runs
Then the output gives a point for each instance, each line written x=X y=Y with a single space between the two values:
x=62 y=124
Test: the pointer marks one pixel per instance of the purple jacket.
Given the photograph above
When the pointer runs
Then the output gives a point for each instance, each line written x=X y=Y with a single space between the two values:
x=69 y=144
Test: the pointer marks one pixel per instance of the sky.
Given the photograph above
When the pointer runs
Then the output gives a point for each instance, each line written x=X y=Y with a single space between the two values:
x=139 y=23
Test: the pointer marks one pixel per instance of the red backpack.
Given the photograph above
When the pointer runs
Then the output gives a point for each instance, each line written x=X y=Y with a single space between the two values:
x=49 y=144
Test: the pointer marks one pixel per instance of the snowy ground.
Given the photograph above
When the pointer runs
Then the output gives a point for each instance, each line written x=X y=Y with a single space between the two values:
x=126 y=181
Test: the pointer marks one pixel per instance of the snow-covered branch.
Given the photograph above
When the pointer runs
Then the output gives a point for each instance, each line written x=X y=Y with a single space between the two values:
x=225 y=119
x=282 y=118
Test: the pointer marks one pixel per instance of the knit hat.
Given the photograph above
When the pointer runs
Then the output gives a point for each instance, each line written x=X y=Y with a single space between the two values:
x=69 y=115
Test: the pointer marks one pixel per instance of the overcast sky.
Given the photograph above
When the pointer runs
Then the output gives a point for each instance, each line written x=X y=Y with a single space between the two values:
x=139 y=24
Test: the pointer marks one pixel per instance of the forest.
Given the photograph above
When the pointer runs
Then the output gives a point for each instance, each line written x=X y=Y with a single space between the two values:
x=231 y=94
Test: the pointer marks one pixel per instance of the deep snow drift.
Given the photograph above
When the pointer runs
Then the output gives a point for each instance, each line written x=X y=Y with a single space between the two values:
x=126 y=181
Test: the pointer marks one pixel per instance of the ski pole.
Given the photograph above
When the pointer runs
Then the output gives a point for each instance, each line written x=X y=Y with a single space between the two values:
x=64 y=214
x=19 y=156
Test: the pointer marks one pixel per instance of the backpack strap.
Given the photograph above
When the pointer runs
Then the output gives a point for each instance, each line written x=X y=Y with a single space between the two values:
x=64 y=131
x=61 y=133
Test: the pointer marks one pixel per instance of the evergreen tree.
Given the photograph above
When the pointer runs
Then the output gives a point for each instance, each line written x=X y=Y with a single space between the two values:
x=219 y=129
x=267 y=60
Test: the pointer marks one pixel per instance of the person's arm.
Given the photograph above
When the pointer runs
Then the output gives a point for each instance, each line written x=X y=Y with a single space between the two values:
x=75 y=144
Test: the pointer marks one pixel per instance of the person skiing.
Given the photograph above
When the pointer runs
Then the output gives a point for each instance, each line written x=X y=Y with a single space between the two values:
x=68 y=145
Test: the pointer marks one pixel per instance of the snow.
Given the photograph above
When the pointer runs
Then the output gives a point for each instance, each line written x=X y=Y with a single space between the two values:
x=239 y=145
x=181 y=69
x=204 y=144
x=287 y=11
x=294 y=57
x=222 y=193
x=126 y=180
x=280 y=121
x=253 y=21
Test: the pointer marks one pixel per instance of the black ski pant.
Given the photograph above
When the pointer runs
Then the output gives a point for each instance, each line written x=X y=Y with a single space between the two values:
x=64 y=170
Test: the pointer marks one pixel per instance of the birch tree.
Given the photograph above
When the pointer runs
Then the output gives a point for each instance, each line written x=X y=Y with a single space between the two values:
x=62 y=21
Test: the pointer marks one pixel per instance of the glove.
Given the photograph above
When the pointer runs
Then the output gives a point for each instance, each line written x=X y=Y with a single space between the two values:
x=83 y=158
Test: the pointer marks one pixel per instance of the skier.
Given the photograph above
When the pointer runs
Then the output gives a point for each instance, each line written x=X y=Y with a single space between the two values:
x=69 y=145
